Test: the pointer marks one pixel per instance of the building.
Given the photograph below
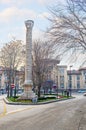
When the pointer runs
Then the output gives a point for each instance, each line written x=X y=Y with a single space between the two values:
x=62 y=76
x=7 y=78
x=69 y=79
x=77 y=78
x=59 y=75
x=74 y=79
x=83 y=77
x=56 y=74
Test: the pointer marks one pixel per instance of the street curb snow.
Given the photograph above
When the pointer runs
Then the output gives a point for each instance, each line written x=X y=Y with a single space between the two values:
x=38 y=103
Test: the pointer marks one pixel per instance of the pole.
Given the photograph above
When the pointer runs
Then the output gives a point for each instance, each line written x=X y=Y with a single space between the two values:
x=70 y=81
x=57 y=86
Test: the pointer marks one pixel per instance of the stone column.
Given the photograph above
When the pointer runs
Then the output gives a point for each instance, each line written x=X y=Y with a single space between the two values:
x=28 y=93
x=28 y=67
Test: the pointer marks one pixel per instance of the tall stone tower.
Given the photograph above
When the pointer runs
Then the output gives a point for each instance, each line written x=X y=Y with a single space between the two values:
x=28 y=93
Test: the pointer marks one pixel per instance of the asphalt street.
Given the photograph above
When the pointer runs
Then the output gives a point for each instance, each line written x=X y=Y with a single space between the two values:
x=64 y=115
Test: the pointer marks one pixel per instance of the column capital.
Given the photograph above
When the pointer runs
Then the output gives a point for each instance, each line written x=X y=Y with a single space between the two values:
x=29 y=23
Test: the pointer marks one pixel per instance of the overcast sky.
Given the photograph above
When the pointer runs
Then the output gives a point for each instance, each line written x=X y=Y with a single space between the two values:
x=13 y=14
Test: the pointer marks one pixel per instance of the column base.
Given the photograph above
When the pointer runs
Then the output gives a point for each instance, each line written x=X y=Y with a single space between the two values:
x=28 y=93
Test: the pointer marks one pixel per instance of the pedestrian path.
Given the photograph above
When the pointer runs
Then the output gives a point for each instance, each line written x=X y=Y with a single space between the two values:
x=2 y=108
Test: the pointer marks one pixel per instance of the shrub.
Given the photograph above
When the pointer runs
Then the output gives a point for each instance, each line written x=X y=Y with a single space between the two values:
x=42 y=98
x=46 y=98
x=51 y=97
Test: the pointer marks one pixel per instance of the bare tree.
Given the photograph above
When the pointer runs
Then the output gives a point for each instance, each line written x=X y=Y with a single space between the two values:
x=68 y=25
x=11 y=58
x=42 y=53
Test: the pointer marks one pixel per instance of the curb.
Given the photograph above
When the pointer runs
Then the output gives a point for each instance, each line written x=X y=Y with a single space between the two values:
x=39 y=103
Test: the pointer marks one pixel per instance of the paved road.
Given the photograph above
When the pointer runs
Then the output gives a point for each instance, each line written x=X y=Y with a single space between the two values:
x=6 y=109
x=64 y=115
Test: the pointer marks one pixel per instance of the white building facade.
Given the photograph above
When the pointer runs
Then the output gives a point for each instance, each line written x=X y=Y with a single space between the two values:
x=69 y=79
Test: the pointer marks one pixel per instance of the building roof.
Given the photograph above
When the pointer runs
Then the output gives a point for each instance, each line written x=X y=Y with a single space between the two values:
x=49 y=61
x=84 y=68
x=62 y=66
x=73 y=72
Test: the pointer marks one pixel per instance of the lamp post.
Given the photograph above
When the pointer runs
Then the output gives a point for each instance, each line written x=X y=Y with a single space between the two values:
x=57 y=85
x=85 y=79
x=70 y=81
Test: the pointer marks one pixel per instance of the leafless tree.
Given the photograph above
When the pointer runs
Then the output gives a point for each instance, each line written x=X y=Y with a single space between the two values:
x=42 y=53
x=68 y=25
x=11 y=57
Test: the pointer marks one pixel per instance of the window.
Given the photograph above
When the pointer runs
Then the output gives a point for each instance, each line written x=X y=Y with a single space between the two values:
x=78 y=77
x=62 y=81
x=62 y=85
x=70 y=77
x=61 y=78
x=70 y=83
x=85 y=77
x=61 y=70
x=78 y=84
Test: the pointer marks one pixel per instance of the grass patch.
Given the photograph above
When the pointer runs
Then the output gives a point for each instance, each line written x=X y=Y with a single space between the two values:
x=15 y=99
x=44 y=98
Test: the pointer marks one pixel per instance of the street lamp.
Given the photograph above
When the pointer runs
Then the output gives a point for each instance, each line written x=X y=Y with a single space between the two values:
x=57 y=85
x=85 y=78
x=70 y=81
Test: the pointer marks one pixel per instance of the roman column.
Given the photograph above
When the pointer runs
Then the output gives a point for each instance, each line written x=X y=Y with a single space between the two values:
x=28 y=67
x=28 y=93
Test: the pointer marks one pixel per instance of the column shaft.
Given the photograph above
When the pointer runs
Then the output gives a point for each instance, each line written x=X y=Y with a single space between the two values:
x=28 y=67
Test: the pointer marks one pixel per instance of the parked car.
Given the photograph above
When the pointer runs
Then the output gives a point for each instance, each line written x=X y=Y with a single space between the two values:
x=81 y=91
x=84 y=94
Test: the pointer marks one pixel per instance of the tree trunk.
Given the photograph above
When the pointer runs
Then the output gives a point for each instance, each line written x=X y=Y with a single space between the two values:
x=39 y=87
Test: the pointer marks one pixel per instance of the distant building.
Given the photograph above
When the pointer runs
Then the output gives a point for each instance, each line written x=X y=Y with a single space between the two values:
x=74 y=79
x=83 y=77
x=59 y=76
x=6 y=77
x=69 y=79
